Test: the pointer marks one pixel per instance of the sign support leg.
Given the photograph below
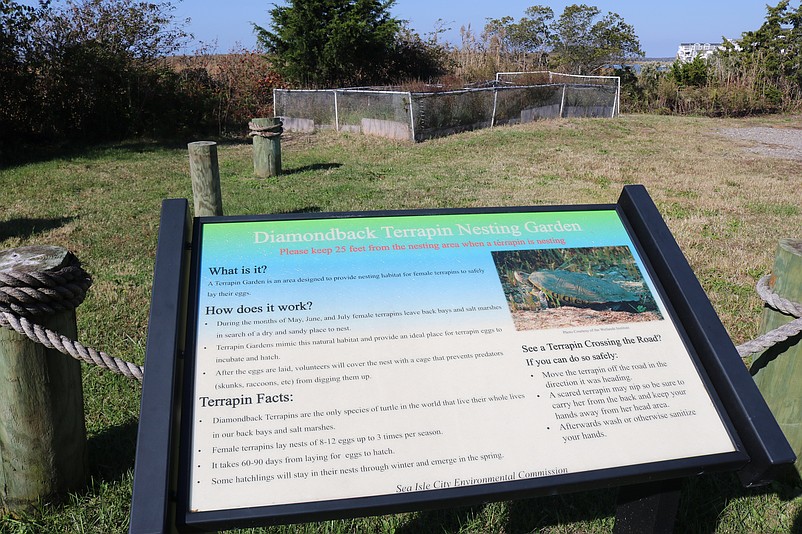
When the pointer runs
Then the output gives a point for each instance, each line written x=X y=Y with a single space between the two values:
x=647 y=508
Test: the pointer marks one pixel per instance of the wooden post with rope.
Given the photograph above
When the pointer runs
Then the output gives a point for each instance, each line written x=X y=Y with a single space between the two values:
x=778 y=371
x=266 y=133
x=42 y=429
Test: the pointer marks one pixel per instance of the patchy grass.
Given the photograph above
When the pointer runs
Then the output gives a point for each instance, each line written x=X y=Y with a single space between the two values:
x=726 y=207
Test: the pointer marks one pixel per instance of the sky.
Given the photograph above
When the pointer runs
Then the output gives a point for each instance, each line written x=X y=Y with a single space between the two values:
x=660 y=26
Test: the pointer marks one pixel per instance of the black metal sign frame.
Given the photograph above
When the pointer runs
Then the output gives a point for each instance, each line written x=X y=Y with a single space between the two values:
x=170 y=388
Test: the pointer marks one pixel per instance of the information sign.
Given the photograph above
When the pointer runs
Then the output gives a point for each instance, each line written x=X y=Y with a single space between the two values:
x=342 y=358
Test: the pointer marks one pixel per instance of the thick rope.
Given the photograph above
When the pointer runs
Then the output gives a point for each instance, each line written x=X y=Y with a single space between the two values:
x=43 y=292
x=53 y=340
x=780 y=334
x=265 y=131
x=32 y=294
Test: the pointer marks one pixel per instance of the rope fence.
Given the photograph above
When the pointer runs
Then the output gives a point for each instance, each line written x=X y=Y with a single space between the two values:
x=24 y=297
x=27 y=296
x=780 y=334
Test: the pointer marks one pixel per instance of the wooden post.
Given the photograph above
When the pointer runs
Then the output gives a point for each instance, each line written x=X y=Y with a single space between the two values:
x=266 y=149
x=203 y=168
x=42 y=430
x=779 y=369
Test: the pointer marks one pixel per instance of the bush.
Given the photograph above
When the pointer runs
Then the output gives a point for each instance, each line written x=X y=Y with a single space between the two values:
x=235 y=87
x=693 y=74
x=18 y=112
x=95 y=70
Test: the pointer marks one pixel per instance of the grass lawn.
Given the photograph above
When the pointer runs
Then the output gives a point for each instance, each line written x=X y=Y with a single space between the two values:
x=726 y=206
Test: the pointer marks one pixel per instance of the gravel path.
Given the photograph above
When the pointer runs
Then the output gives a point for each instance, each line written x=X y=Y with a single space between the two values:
x=783 y=143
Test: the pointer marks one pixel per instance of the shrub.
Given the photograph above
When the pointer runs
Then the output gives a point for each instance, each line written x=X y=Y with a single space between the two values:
x=234 y=87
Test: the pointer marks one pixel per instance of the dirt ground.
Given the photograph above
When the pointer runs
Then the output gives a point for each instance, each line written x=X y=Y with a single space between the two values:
x=569 y=317
x=783 y=143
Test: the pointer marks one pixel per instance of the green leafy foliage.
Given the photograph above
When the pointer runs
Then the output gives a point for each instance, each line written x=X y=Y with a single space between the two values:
x=769 y=59
x=777 y=43
x=759 y=73
x=693 y=73
x=583 y=42
x=579 y=41
x=331 y=43
x=87 y=70
x=415 y=58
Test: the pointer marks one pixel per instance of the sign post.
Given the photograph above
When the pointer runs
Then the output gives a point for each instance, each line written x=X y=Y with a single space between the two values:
x=369 y=363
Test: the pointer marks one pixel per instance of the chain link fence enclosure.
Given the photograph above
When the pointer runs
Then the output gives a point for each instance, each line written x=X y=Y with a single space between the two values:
x=513 y=98
x=583 y=96
x=305 y=110
x=382 y=113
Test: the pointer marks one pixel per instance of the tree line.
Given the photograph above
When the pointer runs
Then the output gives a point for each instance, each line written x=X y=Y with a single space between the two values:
x=332 y=43
x=90 y=70
x=100 y=70
x=759 y=73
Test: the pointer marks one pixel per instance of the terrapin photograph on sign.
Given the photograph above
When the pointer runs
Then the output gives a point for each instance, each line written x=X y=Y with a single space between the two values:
x=565 y=287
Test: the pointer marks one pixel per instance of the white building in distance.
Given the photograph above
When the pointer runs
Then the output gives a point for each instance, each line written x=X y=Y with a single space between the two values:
x=687 y=52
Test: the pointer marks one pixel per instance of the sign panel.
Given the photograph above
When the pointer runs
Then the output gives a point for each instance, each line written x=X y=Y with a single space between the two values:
x=340 y=358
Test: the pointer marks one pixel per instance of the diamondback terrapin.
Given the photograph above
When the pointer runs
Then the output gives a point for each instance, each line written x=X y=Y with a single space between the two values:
x=559 y=287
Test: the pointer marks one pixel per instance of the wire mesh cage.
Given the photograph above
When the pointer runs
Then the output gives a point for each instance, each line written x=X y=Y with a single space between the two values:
x=513 y=98
x=305 y=110
x=589 y=101
x=516 y=105
x=384 y=113
x=446 y=113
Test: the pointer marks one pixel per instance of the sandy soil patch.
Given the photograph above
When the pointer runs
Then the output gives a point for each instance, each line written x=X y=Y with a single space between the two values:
x=570 y=317
x=785 y=143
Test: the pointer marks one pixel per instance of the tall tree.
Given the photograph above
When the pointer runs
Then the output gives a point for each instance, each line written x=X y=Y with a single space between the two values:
x=582 y=42
x=525 y=41
x=533 y=32
x=321 y=43
x=774 y=51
